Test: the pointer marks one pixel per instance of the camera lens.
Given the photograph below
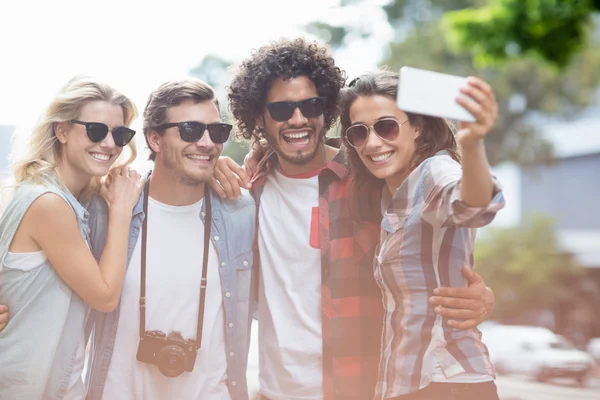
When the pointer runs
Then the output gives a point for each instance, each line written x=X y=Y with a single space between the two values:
x=171 y=361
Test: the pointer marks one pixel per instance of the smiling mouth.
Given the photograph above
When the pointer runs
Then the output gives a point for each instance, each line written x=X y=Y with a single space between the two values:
x=101 y=156
x=297 y=138
x=381 y=157
x=199 y=157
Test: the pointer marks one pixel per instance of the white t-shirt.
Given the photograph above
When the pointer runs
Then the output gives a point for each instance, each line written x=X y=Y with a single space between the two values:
x=290 y=336
x=173 y=272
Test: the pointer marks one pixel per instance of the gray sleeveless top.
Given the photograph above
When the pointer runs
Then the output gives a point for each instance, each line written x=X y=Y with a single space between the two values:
x=38 y=346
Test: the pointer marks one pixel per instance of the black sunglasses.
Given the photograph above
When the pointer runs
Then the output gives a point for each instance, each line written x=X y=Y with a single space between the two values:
x=192 y=131
x=387 y=129
x=283 y=110
x=97 y=131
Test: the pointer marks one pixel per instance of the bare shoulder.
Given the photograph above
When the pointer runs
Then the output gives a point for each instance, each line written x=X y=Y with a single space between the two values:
x=49 y=207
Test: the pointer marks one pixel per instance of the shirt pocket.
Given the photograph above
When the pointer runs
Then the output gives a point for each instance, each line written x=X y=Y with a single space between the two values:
x=243 y=266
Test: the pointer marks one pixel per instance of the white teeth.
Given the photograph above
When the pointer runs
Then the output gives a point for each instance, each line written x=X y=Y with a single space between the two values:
x=198 y=157
x=100 y=156
x=298 y=135
x=382 y=157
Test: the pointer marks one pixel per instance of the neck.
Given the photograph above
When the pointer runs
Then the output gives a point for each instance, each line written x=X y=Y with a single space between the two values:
x=74 y=181
x=323 y=156
x=166 y=187
x=394 y=182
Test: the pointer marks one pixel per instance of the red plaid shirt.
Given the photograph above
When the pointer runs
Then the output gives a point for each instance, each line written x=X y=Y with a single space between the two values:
x=351 y=306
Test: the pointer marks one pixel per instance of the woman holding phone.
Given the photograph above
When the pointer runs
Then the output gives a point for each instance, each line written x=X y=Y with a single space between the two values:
x=434 y=198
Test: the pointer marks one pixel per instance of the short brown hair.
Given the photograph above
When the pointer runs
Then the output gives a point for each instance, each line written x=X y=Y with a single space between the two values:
x=435 y=133
x=170 y=94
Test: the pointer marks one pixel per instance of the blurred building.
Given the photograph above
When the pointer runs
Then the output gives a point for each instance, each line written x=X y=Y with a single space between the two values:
x=568 y=190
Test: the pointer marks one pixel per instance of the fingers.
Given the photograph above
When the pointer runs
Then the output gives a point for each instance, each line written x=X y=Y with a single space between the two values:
x=458 y=314
x=480 y=102
x=464 y=325
x=3 y=317
x=455 y=303
x=240 y=173
x=214 y=184
x=140 y=182
x=481 y=85
x=471 y=276
x=471 y=292
x=474 y=108
x=253 y=158
x=461 y=319
x=231 y=188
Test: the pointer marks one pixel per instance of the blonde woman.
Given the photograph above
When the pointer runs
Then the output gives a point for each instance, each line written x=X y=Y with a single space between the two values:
x=48 y=276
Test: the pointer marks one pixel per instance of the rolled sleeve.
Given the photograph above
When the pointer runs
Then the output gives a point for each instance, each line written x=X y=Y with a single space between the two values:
x=444 y=203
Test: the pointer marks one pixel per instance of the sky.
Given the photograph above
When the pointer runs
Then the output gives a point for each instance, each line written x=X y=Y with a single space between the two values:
x=135 y=45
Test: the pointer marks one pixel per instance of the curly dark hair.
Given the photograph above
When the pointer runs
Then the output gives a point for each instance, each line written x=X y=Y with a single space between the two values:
x=282 y=59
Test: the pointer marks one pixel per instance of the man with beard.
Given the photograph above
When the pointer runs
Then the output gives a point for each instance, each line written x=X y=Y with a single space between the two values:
x=182 y=275
x=319 y=309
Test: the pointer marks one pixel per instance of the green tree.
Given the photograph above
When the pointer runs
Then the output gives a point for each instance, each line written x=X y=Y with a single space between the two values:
x=214 y=70
x=554 y=30
x=526 y=87
x=524 y=266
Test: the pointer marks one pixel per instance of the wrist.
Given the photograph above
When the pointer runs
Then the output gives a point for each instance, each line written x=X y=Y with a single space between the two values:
x=472 y=144
x=119 y=212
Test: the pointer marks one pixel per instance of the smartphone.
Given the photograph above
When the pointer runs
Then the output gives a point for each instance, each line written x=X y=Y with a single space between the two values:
x=432 y=93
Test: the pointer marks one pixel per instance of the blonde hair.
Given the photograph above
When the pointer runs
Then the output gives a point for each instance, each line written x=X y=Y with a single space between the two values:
x=38 y=164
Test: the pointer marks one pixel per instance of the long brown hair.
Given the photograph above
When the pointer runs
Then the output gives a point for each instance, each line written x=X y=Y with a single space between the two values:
x=435 y=133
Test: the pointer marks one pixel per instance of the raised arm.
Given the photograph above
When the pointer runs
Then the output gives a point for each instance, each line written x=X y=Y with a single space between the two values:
x=477 y=187
x=466 y=194
x=57 y=234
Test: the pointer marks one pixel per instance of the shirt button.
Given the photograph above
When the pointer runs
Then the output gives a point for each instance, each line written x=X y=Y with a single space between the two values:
x=223 y=264
x=233 y=383
x=227 y=294
x=231 y=354
x=216 y=238
x=245 y=263
x=203 y=214
x=231 y=324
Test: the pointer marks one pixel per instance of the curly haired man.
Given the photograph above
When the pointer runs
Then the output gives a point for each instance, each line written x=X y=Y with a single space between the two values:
x=319 y=309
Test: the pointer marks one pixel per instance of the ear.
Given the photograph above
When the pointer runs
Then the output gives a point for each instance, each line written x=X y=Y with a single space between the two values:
x=60 y=131
x=153 y=141
x=260 y=123
x=417 y=133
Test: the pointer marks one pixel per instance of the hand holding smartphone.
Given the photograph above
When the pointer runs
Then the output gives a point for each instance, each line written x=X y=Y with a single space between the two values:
x=432 y=93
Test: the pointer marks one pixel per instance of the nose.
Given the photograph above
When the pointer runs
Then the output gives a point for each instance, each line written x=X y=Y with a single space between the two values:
x=373 y=140
x=205 y=141
x=297 y=119
x=108 y=142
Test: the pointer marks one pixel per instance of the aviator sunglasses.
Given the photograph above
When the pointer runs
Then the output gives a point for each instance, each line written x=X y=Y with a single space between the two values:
x=387 y=129
x=97 y=131
x=192 y=131
x=283 y=110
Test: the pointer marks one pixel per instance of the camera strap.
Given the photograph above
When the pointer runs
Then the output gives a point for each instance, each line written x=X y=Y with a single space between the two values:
x=207 y=224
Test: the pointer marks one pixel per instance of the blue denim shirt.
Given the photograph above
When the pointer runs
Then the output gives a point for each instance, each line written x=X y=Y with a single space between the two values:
x=232 y=234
